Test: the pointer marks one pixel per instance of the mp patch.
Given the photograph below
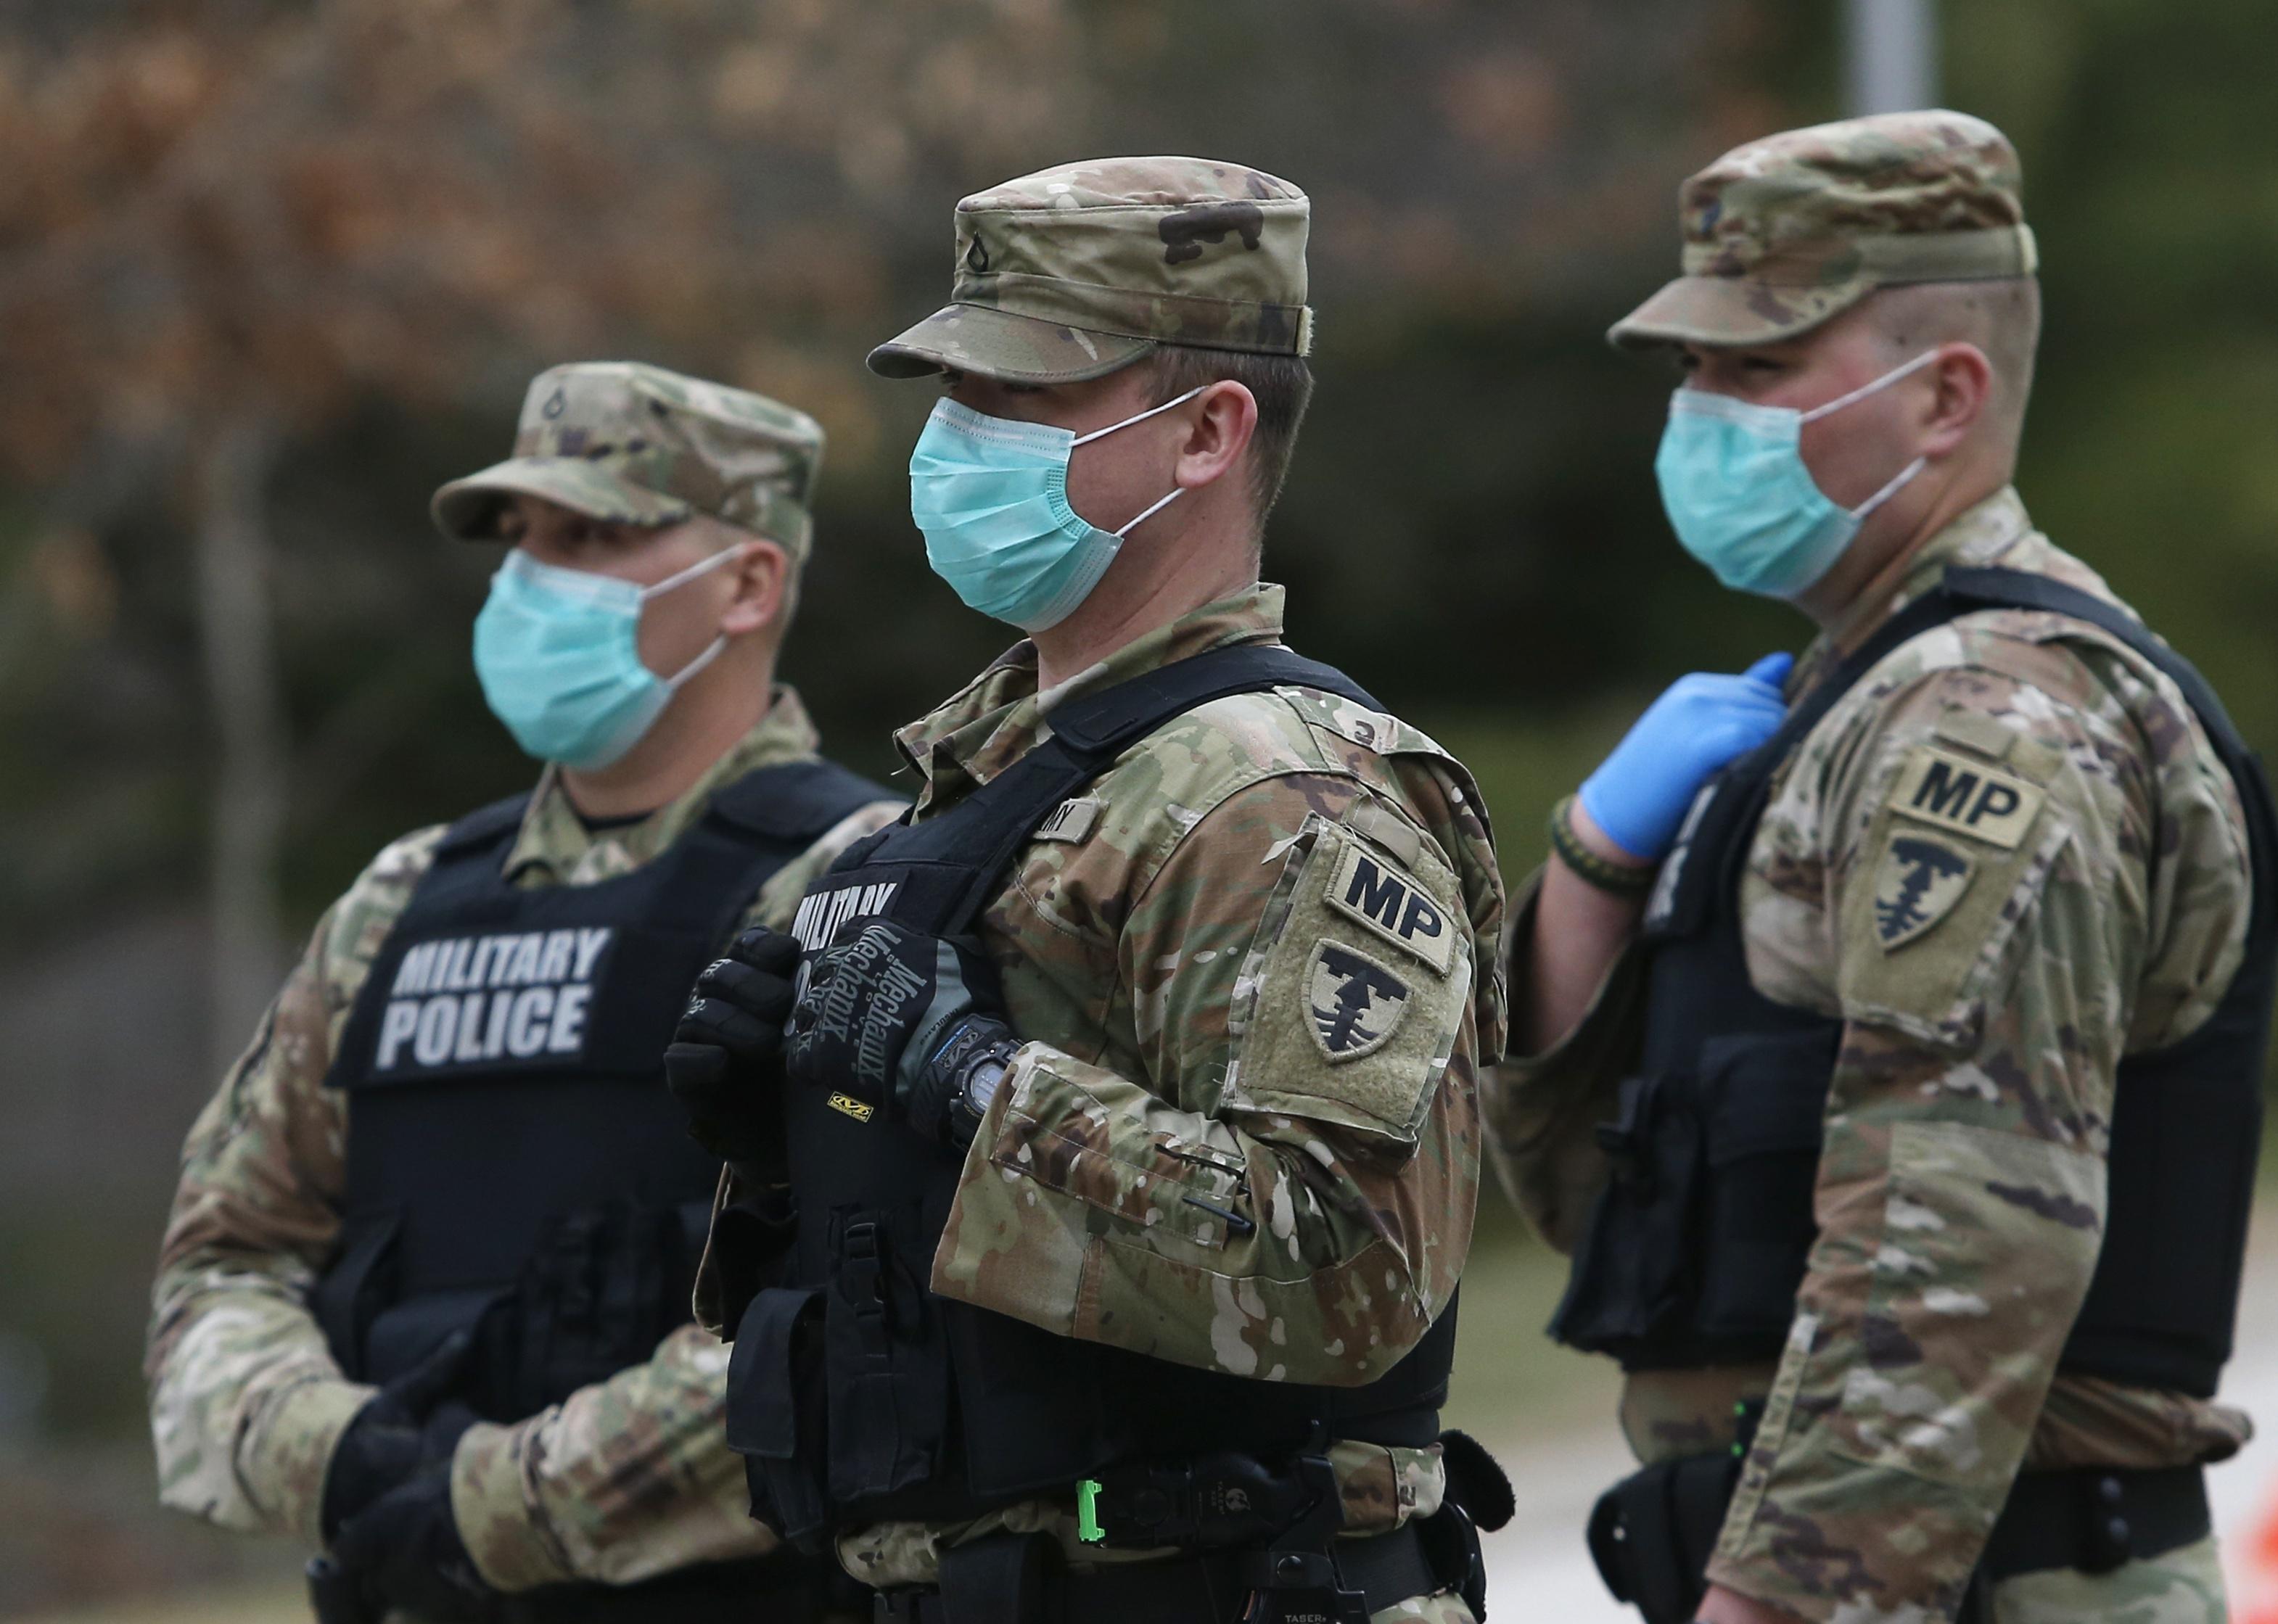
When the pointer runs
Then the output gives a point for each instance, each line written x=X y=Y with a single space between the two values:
x=1372 y=889
x=1968 y=796
x=1356 y=1003
x=1918 y=882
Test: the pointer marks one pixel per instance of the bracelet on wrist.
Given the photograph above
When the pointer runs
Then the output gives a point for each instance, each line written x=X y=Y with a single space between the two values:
x=1615 y=878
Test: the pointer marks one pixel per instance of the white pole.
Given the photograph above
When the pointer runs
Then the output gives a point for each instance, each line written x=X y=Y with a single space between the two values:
x=1892 y=47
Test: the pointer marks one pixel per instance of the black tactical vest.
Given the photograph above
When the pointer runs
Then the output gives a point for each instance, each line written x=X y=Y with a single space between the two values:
x=855 y=1394
x=1699 y=1244
x=514 y=1161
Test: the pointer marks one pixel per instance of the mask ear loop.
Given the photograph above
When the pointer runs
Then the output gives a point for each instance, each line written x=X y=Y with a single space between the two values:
x=1905 y=474
x=1176 y=493
x=701 y=564
x=718 y=644
x=1151 y=411
x=1176 y=490
x=1890 y=490
x=1864 y=390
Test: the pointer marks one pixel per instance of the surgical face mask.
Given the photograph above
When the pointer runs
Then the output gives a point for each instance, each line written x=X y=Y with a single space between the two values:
x=990 y=494
x=1733 y=480
x=558 y=653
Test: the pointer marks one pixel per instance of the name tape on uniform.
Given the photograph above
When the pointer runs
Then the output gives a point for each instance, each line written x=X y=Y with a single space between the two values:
x=1967 y=796
x=820 y=914
x=1394 y=906
x=462 y=1000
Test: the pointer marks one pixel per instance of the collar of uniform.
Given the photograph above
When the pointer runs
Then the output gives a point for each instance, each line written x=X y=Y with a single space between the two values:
x=555 y=847
x=1000 y=716
x=1978 y=536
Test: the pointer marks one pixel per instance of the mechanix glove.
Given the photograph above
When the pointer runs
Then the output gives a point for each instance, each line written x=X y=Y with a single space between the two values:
x=412 y=1422
x=404 y=1554
x=898 y=1021
x=725 y=1062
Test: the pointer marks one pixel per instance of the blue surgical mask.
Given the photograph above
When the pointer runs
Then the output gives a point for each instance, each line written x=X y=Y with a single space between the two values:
x=1740 y=499
x=558 y=653
x=990 y=494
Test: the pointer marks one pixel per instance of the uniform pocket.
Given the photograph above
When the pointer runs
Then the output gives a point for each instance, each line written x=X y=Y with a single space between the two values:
x=777 y=1416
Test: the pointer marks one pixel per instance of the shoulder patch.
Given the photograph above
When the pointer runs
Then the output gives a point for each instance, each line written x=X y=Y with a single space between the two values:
x=1981 y=734
x=1387 y=828
x=1917 y=883
x=1969 y=797
x=1356 y=1003
x=1368 y=888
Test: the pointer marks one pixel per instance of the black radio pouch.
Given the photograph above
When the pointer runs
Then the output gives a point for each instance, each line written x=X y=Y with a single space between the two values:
x=1652 y=1533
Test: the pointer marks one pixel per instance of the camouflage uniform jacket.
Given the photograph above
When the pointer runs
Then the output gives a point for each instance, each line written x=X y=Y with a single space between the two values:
x=1961 y=1182
x=626 y=1479
x=1166 y=944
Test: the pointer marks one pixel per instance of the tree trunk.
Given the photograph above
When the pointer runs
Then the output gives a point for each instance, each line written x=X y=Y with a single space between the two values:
x=246 y=826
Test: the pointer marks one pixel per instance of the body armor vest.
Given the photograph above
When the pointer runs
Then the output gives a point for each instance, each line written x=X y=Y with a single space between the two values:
x=857 y=1395
x=515 y=1163
x=1700 y=1242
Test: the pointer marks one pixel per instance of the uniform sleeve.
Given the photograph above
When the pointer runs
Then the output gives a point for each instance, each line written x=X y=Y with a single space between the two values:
x=1987 y=893
x=246 y=1401
x=624 y=1480
x=1283 y=1187
x=1542 y=1111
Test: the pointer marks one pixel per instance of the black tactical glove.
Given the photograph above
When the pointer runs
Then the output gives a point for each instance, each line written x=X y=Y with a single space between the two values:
x=725 y=1062
x=905 y=1024
x=403 y=1552
x=408 y=1424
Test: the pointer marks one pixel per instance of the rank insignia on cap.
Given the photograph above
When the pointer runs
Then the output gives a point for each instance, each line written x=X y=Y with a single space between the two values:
x=1920 y=880
x=1356 y=1003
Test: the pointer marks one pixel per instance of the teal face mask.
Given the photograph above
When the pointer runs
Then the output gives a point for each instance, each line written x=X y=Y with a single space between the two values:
x=558 y=655
x=990 y=494
x=1734 y=484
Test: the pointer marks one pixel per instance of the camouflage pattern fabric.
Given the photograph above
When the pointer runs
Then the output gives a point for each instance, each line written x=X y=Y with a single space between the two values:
x=1207 y=1017
x=1784 y=232
x=2181 y=1587
x=634 y=444
x=1961 y=1182
x=623 y=1481
x=1073 y=272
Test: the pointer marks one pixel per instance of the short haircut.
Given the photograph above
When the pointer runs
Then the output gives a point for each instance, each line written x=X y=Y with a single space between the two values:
x=1283 y=386
x=2001 y=318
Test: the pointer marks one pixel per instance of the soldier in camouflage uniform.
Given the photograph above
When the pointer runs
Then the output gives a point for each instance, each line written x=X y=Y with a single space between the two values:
x=624 y=477
x=1217 y=1132
x=1999 y=872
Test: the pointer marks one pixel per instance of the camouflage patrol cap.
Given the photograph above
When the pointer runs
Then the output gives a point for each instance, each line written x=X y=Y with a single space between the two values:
x=636 y=444
x=1072 y=272
x=1786 y=231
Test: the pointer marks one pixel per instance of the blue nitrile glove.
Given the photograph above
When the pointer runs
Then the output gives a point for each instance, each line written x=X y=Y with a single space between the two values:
x=1640 y=795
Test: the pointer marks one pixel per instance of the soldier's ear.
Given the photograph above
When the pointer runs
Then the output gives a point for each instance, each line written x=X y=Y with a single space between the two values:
x=1962 y=380
x=760 y=579
x=1221 y=422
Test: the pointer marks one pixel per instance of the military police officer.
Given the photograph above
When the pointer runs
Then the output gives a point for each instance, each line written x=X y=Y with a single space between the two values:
x=423 y=1296
x=1131 y=1094
x=1891 y=1054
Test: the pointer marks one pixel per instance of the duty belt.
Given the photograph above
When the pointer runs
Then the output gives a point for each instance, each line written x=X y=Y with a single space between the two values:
x=1209 y=1587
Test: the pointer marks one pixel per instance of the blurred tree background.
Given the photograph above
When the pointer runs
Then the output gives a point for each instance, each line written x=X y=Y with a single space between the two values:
x=272 y=270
